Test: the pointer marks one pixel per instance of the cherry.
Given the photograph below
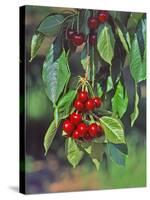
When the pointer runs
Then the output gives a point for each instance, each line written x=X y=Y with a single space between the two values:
x=68 y=127
x=75 y=118
x=77 y=39
x=103 y=16
x=92 y=22
x=99 y=131
x=76 y=134
x=93 y=129
x=97 y=101
x=70 y=33
x=92 y=38
x=90 y=105
x=82 y=128
x=79 y=105
x=83 y=96
x=87 y=137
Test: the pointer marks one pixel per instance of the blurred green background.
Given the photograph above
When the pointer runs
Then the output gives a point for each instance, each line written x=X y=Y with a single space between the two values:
x=53 y=173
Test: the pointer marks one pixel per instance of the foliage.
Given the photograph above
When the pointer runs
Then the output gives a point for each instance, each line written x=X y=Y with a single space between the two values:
x=121 y=45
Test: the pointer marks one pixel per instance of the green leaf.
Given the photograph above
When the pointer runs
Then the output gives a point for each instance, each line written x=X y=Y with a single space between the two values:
x=122 y=148
x=99 y=90
x=73 y=152
x=49 y=136
x=51 y=25
x=113 y=129
x=106 y=42
x=137 y=68
x=134 y=20
x=135 y=113
x=96 y=163
x=65 y=104
x=116 y=155
x=55 y=75
x=95 y=151
x=36 y=42
x=122 y=37
x=110 y=84
x=119 y=100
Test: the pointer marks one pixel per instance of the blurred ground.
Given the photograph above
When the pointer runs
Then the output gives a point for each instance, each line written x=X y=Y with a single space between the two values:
x=53 y=173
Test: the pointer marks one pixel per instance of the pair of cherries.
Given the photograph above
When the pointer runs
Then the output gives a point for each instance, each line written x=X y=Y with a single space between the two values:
x=84 y=103
x=78 y=38
x=74 y=127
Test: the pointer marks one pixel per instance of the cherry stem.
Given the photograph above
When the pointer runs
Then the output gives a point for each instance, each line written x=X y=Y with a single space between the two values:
x=78 y=22
x=87 y=64
x=94 y=115
x=93 y=68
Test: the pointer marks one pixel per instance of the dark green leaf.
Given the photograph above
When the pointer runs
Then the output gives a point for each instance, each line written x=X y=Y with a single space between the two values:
x=85 y=15
x=73 y=152
x=55 y=74
x=58 y=45
x=119 y=101
x=135 y=113
x=122 y=148
x=137 y=68
x=113 y=129
x=49 y=136
x=36 y=42
x=116 y=155
x=106 y=42
x=141 y=37
x=65 y=104
x=51 y=25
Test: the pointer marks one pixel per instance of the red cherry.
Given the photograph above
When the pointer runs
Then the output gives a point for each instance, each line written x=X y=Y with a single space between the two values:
x=93 y=129
x=77 y=39
x=99 y=131
x=79 y=105
x=92 y=22
x=68 y=127
x=82 y=128
x=97 y=101
x=87 y=137
x=103 y=16
x=76 y=134
x=70 y=33
x=92 y=38
x=90 y=105
x=75 y=118
x=83 y=96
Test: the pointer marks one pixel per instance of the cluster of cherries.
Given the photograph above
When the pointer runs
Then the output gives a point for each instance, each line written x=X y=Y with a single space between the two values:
x=75 y=127
x=93 y=22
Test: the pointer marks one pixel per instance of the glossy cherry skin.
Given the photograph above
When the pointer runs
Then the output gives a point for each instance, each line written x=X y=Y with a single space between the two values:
x=97 y=101
x=83 y=96
x=90 y=105
x=88 y=137
x=77 y=39
x=82 y=128
x=92 y=38
x=68 y=127
x=103 y=16
x=76 y=134
x=99 y=131
x=93 y=130
x=70 y=33
x=75 y=118
x=93 y=22
x=79 y=105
